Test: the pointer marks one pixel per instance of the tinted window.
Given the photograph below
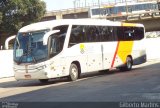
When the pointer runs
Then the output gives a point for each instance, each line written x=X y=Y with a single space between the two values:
x=139 y=33
x=77 y=35
x=130 y=33
x=57 y=40
x=82 y=34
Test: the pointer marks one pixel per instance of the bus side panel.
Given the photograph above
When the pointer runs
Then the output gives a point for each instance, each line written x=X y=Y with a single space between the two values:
x=94 y=52
x=57 y=68
x=125 y=49
x=76 y=53
x=89 y=55
x=109 y=54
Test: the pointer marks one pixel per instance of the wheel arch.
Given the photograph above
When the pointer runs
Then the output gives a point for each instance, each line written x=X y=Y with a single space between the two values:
x=131 y=58
x=77 y=63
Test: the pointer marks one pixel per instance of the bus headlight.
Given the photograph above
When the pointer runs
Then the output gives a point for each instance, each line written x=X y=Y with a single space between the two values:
x=41 y=67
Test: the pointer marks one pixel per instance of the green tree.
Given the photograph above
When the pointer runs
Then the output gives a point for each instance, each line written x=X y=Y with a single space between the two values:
x=15 y=14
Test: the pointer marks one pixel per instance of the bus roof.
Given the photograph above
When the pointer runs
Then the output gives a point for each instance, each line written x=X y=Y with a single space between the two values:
x=52 y=23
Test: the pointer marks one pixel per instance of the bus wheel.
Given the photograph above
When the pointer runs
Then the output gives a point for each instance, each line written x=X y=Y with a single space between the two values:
x=43 y=80
x=73 y=72
x=128 y=64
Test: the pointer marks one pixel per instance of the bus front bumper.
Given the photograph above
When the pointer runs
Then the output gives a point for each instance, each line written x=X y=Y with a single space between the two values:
x=30 y=74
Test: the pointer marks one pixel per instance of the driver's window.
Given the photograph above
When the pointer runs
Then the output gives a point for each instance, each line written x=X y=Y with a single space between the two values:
x=57 y=43
x=53 y=49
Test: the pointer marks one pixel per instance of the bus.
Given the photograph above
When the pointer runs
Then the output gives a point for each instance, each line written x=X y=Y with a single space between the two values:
x=124 y=9
x=71 y=47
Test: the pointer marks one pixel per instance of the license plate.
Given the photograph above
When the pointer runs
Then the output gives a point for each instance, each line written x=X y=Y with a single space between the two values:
x=27 y=76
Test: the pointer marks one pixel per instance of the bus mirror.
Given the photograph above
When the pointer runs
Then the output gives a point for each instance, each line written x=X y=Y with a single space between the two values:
x=46 y=36
x=8 y=40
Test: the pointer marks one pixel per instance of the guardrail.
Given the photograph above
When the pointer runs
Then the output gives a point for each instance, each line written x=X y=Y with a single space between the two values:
x=66 y=11
x=6 y=63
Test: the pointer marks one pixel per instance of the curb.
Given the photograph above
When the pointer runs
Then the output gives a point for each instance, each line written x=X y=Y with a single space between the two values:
x=7 y=79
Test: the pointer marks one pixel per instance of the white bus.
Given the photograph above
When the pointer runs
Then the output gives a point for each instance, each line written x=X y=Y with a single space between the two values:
x=71 y=47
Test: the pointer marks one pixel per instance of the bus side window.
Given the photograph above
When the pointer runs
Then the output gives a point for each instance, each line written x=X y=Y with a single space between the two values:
x=120 y=33
x=128 y=33
x=77 y=35
x=88 y=34
x=98 y=34
x=110 y=33
x=92 y=33
x=114 y=34
x=101 y=33
x=57 y=43
x=139 y=33
x=53 y=47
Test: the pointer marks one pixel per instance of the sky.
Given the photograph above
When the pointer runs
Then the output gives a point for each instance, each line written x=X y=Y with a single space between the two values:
x=58 y=4
x=65 y=4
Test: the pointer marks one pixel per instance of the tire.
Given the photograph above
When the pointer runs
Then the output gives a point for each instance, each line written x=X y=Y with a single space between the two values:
x=43 y=80
x=128 y=64
x=73 y=72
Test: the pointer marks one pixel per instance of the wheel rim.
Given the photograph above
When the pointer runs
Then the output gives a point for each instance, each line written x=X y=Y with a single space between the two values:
x=129 y=63
x=74 y=72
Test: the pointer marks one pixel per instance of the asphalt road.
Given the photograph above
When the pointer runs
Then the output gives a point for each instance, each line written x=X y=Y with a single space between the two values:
x=140 y=84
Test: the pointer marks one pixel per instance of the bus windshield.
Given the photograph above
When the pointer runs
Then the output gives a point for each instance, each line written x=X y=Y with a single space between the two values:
x=29 y=47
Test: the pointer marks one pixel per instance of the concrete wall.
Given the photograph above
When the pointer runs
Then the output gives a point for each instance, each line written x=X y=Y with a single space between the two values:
x=48 y=18
x=152 y=48
x=6 y=63
x=76 y=15
x=6 y=56
x=151 y=24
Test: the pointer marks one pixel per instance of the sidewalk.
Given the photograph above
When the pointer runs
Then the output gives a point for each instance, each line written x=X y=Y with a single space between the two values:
x=3 y=80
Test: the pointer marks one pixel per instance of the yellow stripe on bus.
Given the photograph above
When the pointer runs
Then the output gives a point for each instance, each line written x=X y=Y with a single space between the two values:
x=125 y=49
x=129 y=24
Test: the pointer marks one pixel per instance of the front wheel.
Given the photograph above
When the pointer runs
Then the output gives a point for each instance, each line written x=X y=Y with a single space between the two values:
x=73 y=72
x=128 y=64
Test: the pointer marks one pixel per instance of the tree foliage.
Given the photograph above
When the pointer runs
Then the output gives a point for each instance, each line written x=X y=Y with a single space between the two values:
x=15 y=14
